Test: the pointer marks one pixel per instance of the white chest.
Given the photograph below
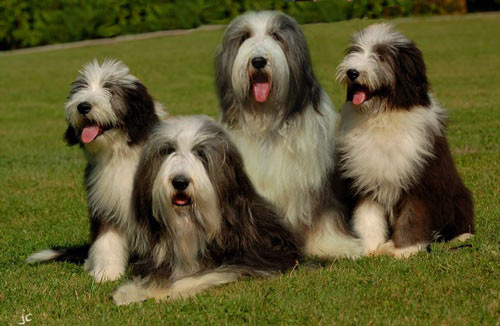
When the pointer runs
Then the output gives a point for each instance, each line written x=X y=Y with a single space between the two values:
x=109 y=187
x=289 y=167
x=384 y=153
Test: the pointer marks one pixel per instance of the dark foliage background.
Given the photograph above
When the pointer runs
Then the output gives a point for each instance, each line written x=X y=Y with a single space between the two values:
x=29 y=23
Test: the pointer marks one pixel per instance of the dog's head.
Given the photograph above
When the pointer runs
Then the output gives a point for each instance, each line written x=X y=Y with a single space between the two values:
x=107 y=105
x=189 y=170
x=383 y=70
x=264 y=58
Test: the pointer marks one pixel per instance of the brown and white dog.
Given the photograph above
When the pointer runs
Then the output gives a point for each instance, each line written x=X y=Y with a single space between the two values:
x=392 y=149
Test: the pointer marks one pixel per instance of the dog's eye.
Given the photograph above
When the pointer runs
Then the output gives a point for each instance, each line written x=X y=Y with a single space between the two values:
x=165 y=151
x=200 y=153
x=276 y=36
x=244 y=37
x=381 y=58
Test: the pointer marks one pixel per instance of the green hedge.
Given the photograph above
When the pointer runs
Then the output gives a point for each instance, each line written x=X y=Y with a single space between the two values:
x=29 y=23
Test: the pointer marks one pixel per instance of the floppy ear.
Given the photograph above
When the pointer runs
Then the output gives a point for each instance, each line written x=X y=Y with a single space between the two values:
x=224 y=60
x=142 y=197
x=411 y=87
x=70 y=136
x=304 y=89
x=141 y=115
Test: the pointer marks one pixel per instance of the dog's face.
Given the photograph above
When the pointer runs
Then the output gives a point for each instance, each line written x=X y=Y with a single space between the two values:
x=106 y=106
x=383 y=70
x=264 y=58
x=184 y=172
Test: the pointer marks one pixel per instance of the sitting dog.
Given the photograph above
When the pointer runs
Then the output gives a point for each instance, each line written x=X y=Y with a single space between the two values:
x=284 y=125
x=392 y=149
x=203 y=221
x=110 y=114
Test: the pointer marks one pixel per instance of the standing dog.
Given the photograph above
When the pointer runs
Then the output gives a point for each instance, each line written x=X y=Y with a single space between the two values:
x=110 y=114
x=393 y=151
x=204 y=223
x=283 y=123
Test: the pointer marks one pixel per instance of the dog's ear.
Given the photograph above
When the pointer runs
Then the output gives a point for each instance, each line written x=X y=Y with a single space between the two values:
x=224 y=59
x=70 y=136
x=141 y=115
x=304 y=89
x=411 y=87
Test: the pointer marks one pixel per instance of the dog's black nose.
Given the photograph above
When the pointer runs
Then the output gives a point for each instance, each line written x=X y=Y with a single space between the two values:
x=259 y=62
x=84 y=107
x=352 y=74
x=180 y=182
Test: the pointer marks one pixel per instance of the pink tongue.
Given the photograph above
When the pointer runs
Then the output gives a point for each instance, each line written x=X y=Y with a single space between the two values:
x=261 y=91
x=181 y=202
x=90 y=133
x=359 y=97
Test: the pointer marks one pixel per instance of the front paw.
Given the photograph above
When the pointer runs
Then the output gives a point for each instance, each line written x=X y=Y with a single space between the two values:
x=129 y=293
x=389 y=249
x=104 y=271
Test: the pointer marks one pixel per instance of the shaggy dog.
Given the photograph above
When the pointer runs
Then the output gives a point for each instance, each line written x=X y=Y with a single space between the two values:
x=110 y=114
x=393 y=152
x=284 y=124
x=204 y=222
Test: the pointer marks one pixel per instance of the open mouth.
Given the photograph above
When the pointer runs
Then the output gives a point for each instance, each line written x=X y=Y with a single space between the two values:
x=261 y=86
x=181 y=199
x=91 y=131
x=358 y=94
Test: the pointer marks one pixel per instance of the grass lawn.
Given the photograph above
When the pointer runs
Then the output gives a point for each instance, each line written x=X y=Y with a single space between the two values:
x=42 y=198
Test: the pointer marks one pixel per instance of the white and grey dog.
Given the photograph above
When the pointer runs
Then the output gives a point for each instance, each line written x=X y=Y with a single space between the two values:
x=394 y=156
x=110 y=115
x=284 y=124
x=205 y=225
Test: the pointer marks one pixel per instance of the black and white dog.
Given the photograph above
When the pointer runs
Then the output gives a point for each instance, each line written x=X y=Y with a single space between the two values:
x=393 y=152
x=284 y=125
x=110 y=115
x=204 y=223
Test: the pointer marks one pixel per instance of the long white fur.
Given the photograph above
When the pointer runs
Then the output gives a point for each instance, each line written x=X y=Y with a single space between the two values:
x=385 y=150
x=370 y=223
x=42 y=255
x=108 y=256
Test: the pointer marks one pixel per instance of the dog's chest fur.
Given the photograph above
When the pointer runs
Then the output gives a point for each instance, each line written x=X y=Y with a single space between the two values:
x=290 y=166
x=109 y=181
x=384 y=153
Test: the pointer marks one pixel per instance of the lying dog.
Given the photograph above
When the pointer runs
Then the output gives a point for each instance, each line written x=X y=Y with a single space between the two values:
x=203 y=220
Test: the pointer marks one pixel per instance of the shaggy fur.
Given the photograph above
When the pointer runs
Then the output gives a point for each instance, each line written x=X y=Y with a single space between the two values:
x=393 y=152
x=283 y=123
x=110 y=114
x=204 y=222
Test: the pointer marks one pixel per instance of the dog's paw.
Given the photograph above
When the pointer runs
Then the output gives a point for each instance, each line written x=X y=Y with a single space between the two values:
x=389 y=249
x=103 y=272
x=129 y=293
x=462 y=237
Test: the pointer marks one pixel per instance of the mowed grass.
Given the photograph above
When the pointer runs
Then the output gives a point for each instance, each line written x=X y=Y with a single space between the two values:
x=42 y=199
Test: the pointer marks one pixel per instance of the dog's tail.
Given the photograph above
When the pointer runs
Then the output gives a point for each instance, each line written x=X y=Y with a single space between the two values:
x=72 y=254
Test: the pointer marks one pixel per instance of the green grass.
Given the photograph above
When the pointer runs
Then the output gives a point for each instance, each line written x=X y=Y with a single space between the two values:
x=42 y=200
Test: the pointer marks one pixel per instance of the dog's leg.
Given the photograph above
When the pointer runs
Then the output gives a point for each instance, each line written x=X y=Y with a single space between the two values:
x=137 y=291
x=411 y=231
x=108 y=256
x=370 y=224
x=327 y=240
